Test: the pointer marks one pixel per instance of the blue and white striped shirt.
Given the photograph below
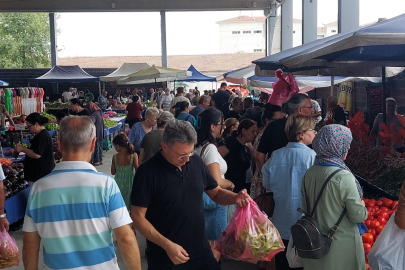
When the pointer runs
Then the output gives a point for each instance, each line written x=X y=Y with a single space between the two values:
x=74 y=210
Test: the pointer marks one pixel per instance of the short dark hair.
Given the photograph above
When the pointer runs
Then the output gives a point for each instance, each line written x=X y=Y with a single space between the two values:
x=34 y=118
x=203 y=99
x=244 y=124
x=223 y=84
x=180 y=90
x=75 y=101
x=208 y=117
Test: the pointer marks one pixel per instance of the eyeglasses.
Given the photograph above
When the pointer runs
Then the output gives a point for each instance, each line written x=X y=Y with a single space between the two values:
x=28 y=126
x=312 y=130
x=184 y=156
x=307 y=107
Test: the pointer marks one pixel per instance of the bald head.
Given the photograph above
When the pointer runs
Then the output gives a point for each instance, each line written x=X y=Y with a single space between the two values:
x=76 y=134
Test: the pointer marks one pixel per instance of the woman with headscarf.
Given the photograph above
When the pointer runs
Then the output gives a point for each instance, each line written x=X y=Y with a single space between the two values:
x=97 y=116
x=331 y=145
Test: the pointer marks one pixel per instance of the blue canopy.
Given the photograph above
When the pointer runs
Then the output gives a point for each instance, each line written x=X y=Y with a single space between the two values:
x=59 y=74
x=365 y=49
x=2 y=83
x=197 y=76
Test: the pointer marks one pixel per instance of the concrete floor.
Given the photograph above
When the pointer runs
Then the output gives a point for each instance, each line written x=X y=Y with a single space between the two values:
x=105 y=168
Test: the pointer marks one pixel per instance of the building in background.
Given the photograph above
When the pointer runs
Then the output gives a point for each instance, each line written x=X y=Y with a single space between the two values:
x=328 y=30
x=242 y=34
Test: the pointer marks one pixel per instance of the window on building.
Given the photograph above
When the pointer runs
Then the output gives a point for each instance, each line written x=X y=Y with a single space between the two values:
x=321 y=36
x=257 y=31
x=247 y=32
x=235 y=32
x=333 y=31
x=257 y=50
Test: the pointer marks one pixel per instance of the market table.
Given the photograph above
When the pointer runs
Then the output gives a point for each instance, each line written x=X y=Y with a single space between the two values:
x=15 y=205
x=110 y=131
x=120 y=119
x=11 y=157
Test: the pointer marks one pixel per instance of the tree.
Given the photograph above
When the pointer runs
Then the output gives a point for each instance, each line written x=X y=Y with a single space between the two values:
x=24 y=40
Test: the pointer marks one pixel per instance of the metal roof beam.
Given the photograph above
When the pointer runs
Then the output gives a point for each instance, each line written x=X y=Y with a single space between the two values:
x=129 y=5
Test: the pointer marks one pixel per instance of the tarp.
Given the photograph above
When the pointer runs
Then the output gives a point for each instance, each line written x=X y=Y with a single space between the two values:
x=123 y=71
x=197 y=76
x=2 y=83
x=240 y=76
x=59 y=74
x=155 y=74
x=361 y=52
x=310 y=81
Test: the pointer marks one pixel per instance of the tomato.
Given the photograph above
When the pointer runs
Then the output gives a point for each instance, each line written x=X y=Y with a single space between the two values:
x=367 y=247
x=372 y=200
x=367 y=238
x=384 y=208
x=376 y=208
x=394 y=204
x=370 y=204
x=376 y=213
x=379 y=203
x=387 y=203
x=370 y=215
x=370 y=209
x=374 y=224
x=382 y=220
x=367 y=223
x=365 y=200
x=379 y=229
x=372 y=232
x=384 y=214
x=390 y=212
x=382 y=199
x=375 y=238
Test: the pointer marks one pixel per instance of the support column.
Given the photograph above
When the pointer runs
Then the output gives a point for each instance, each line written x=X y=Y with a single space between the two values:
x=348 y=15
x=270 y=28
x=52 y=30
x=309 y=20
x=163 y=37
x=287 y=25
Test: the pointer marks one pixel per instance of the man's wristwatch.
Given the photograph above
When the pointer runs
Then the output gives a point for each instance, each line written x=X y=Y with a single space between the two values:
x=3 y=215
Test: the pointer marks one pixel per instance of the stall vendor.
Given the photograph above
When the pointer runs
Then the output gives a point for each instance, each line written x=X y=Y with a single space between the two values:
x=39 y=160
x=3 y=112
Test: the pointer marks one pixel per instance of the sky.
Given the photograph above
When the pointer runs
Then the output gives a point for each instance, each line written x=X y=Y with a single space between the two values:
x=138 y=33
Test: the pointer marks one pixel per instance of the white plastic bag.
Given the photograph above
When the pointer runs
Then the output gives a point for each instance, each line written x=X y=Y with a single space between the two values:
x=294 y=261
x=388 y=252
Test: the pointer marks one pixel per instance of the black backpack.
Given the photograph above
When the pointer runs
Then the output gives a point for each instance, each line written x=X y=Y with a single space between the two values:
x=308 y=240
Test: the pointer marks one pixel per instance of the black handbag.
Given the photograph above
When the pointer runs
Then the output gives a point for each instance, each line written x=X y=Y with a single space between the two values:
x=308 y=240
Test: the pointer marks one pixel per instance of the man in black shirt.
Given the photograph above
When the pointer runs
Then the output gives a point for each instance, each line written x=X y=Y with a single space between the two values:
x=77 y=109
x=274 y=136
x=221 y=97
x=167 y=203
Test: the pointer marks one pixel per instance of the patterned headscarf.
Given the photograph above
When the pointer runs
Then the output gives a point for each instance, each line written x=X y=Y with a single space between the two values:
x=92 y=107
x=331 y=145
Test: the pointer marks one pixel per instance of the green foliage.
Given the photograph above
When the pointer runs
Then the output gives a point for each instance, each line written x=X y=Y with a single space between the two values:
x=24 y=40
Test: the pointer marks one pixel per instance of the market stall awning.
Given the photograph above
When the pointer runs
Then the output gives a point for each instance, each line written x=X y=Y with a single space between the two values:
x=155 y=74
x=123 y=71
x=310 y=81
x=2 y=83
x=240 y=76
x=197 y=76
x=59 y=74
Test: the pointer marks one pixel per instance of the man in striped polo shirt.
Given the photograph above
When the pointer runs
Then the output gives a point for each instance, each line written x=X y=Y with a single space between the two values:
x=75 y=209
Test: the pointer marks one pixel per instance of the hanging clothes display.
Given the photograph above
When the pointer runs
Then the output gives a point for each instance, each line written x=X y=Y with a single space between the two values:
x=23 y=100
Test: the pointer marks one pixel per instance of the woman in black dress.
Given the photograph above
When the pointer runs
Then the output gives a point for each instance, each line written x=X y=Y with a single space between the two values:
x=39 y=160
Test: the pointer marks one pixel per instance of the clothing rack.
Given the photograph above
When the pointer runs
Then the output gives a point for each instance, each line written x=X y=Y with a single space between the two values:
x=23 y=100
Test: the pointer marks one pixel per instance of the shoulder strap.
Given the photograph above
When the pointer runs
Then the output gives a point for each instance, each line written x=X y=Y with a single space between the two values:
x=335 y=227
x=188 y=116
x=115 y=160
x=203 y=148
x=323 y=188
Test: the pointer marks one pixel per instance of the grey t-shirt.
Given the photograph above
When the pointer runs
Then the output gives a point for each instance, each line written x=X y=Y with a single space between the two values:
x=151 y=143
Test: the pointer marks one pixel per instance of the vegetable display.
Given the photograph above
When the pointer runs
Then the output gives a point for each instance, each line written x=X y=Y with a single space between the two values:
x=51 y=126
x=14 y=181
x=9 y=253
x=149 y=103
x=250 y=236
x=379 y=212
x=57 y=105
x=49 y=116
x=109 y=123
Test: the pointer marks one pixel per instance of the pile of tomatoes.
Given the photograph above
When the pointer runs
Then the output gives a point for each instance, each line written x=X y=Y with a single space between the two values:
x=379 y=212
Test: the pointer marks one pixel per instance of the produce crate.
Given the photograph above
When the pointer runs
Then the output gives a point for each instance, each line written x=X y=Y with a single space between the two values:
x=373 y=191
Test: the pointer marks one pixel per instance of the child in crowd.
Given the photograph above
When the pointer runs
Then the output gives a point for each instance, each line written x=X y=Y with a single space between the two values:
x=123 y=166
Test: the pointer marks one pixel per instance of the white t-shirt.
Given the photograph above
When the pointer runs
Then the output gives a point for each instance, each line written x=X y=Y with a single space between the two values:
x=211 y=155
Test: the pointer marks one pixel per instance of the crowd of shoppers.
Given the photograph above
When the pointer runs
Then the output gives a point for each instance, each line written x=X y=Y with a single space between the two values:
x=181 y=173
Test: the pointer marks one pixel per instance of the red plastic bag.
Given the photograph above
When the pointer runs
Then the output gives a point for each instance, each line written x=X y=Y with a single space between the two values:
x=250 y=236
x=9 y=253
x=283 y=89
